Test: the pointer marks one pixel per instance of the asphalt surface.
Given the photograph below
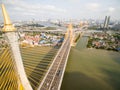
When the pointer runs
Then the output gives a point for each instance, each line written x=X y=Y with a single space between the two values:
x=54 y=75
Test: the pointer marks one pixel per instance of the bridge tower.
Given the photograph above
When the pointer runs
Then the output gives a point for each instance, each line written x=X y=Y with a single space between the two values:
x=70 y=31
x=11 y=35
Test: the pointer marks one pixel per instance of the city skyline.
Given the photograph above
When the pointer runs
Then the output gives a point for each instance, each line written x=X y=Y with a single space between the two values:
x=60 y=9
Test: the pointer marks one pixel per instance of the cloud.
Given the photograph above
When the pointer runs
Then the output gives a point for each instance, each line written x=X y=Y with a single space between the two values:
x=111 y=9
x=45 y=9
x=73 y=0
x=93 y=6
x=24 y=8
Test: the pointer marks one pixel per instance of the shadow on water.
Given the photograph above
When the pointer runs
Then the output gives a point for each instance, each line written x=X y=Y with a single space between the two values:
x=81 y=81
x=42 y=65
x=114 y=72
x=113 y=78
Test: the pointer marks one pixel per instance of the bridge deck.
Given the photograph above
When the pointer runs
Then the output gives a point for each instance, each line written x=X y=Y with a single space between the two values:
x=53 y=77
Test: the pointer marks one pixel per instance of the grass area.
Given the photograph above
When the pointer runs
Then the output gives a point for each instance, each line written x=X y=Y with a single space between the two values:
x=91 y=69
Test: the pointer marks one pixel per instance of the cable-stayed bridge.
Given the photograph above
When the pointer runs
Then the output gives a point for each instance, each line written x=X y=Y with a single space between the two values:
x=36 y=68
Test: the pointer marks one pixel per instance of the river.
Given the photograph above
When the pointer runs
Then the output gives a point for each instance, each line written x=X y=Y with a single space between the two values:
x=91 y=69
x=82 y=43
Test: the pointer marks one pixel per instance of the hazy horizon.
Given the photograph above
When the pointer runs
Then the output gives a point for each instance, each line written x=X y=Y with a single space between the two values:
x=60 y=9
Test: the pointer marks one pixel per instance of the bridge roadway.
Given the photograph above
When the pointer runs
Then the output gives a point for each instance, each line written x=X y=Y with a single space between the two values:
x=54 y=76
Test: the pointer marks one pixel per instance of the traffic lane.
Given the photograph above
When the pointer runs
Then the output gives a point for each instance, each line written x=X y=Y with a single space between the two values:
x=53 y=70
x=60 y=70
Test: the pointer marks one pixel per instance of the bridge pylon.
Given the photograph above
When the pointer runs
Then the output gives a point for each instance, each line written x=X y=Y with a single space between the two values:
x=70 y=33
x=11 y=35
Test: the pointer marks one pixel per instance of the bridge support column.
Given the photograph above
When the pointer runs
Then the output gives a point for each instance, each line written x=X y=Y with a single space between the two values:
x=14 y=45
x=11 y=35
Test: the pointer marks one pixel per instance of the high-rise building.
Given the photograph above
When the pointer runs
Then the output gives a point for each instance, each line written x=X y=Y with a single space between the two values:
x=106 y=22
x=104 y=26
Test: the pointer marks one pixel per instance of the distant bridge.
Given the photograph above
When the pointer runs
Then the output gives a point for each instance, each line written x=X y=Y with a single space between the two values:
x=58 y=30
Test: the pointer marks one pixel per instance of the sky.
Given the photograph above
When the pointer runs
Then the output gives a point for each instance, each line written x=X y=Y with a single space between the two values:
x=61 y=9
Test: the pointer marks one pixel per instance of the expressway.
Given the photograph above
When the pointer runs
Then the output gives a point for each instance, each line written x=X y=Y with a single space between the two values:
x=54 y=76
